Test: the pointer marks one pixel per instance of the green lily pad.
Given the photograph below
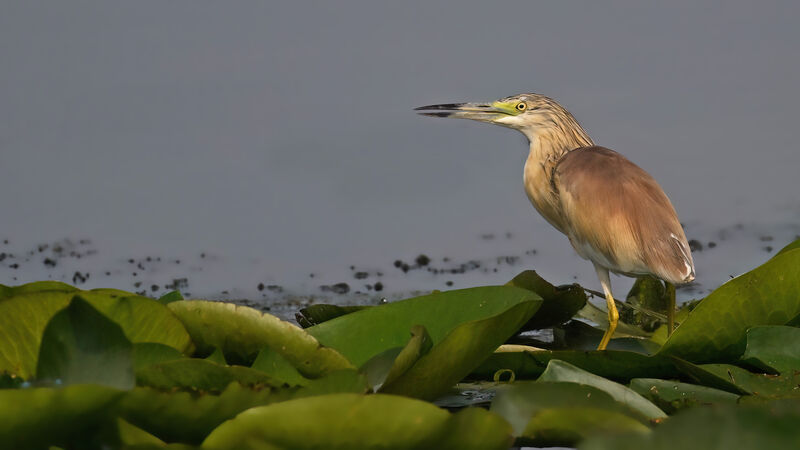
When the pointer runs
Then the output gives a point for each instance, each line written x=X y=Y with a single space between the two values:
x=672 y=396
x=791 y=246
x=169 y=297
x=241 y=332
x=278 y=367
x=217 y=357
x=37 y=286
x=321 y=312
x=475 y=428
x=386 y=367
x=720 y=428
x=200 y=374
x=455 y=356
x=23 y=318
x=619 y=365
x=744 y=381
x=82 y=346
x=346 y=421
x=519 y=402
x=149 y=353
x=659 y=336
x=363 y=334
x=378 y=367
x=715 y=331
x=567 y=426
x=775 y=349
x=65 y=417
x=133 y=436
x=559 y=303
x=180 y=416
x=564 y=372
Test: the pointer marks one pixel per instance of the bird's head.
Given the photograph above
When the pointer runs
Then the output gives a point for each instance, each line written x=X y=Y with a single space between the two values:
x=532 y=114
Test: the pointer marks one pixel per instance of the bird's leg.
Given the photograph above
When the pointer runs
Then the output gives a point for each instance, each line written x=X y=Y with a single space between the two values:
x=613 y=315
x=670 y=307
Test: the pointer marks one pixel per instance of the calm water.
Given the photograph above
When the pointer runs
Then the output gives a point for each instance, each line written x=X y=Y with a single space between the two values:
x=259 y=150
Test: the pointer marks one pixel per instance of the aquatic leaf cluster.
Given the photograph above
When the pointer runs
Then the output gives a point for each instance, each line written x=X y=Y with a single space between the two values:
x=486 y=367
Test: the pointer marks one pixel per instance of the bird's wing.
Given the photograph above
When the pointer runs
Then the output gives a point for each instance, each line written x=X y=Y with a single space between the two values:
x=619 y=217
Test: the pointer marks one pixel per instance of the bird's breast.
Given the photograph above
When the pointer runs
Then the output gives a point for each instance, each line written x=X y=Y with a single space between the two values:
x=537 y=177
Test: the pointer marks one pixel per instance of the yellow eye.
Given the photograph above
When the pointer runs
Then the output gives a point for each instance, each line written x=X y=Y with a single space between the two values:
x=521 y=106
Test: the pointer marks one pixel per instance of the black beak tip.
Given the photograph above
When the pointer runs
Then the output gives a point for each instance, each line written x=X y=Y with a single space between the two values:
x=435 y=114
x=447 y=106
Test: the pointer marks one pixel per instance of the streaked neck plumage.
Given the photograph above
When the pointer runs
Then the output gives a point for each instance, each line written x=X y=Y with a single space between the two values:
x=552 y=137
x=555 y=134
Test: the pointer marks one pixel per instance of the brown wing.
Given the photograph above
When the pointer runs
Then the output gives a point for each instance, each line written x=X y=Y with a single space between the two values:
x=619 y=217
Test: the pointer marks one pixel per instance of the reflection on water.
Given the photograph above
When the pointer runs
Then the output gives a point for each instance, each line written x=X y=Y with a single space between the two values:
x=271 y=153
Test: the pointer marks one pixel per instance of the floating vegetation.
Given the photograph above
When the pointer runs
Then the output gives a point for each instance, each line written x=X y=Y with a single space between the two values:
x=106 y=368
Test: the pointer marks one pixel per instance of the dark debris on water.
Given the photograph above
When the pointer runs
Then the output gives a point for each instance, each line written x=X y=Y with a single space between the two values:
x=338 y=288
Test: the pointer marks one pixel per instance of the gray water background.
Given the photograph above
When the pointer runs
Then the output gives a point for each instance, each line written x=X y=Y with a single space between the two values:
x=258 y=150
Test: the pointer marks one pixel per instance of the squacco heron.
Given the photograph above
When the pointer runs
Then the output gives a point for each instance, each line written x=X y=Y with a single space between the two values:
x=613 y=212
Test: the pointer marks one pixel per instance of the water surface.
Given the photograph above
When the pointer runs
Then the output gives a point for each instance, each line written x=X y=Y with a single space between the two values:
x=259 y=151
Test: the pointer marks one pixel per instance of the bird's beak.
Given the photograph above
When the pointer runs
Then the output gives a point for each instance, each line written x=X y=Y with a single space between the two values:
x=484 y=112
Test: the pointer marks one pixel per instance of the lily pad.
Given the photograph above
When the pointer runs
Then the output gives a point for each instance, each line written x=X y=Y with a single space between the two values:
x=321 y=312
x=148 y=353
x=169 y=297
x=566 y=427
x=181 y=416
x=564 y=372
x=200 y=374
x=659 y=336
x=715 y=331
x=23 y=318
x=744 y=381
x=278 y=367
x=217 y=357
x=699 y=375
x=775 y=349
x=475 y=428
x=363 y=334
x=791 y=246
x=559 y=303
x=346 y=421
x=130 y=436
x=65 y=417
x=455 y=356
x=241 y=332
x=82 y=346
x=619 y=365
x=721 y=428
x=37 y=286
x=519 y=402
x=672 y=396
x=386 y=367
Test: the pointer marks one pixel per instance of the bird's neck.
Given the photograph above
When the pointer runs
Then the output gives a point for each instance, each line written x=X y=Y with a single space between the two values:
x=548 y=145
x=551 y=142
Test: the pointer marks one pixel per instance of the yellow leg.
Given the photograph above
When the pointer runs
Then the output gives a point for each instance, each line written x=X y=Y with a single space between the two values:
x=670 y=307
x=613 y=315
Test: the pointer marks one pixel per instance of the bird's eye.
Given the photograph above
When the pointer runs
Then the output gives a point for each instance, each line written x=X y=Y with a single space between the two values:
x=521 y=106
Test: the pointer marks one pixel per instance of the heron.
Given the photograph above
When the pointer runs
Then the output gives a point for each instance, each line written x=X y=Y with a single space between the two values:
x=613 y=212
